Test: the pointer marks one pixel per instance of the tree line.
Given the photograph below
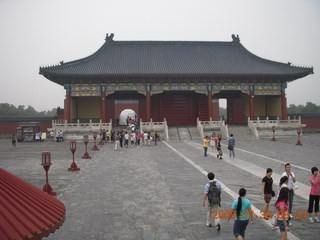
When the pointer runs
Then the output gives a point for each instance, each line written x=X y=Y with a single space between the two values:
x=9 y=110
x=309 y=108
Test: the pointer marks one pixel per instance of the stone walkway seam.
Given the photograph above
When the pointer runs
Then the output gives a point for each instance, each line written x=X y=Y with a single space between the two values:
x=272 y=159
x=234 y=195
x=302 y=192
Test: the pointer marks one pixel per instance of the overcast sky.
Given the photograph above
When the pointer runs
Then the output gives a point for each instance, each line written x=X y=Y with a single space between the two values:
x=37 y=33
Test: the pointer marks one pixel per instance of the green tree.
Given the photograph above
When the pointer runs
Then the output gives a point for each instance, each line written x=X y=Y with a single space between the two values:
x=9 y=110
x=309 y=108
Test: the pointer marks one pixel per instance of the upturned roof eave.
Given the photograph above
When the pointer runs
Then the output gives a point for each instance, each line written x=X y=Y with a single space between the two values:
x=59 y=78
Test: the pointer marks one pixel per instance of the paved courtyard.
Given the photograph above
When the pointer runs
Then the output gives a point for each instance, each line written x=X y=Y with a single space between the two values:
x=155 y=192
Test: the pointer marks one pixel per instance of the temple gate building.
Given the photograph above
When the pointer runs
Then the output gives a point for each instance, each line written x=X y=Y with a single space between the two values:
x=177 y=80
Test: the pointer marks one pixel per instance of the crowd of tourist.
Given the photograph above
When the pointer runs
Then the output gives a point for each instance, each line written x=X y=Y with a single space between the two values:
x=129 y=138
x=241 y=208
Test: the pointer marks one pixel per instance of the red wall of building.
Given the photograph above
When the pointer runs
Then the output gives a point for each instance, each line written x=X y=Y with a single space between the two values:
x=236 y=111
x=216 y=110
x=10 y=127
x=179 y=108
x=312 y=122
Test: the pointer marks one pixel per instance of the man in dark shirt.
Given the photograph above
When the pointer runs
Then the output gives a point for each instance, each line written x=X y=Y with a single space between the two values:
x=267 y=192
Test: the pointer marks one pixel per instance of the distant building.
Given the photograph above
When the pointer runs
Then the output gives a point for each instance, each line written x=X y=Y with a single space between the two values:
x=177 y=80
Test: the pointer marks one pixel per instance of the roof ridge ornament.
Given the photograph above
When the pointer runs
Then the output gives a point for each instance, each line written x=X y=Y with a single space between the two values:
x=235 y=38
x=109 y=38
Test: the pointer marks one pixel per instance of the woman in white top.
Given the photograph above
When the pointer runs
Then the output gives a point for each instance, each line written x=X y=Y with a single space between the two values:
x=291 y=181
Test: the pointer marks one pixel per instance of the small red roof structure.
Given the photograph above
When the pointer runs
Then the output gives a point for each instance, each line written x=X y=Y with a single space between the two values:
x=27 y=212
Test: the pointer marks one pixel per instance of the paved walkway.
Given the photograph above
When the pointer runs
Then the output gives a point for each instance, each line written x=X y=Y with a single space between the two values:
x=155 y=192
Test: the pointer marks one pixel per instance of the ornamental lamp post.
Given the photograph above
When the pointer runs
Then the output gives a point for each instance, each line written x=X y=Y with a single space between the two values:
x=86 y=141
x=273 y=130
x=73 y=148
x=46 y=163
x=299 y=143
x=95 y=148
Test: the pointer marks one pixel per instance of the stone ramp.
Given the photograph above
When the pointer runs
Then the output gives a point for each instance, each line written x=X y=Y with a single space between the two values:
x=181 y=133
x=184 y=133
x=241 y=132
x=194 y=133
x=173 y=134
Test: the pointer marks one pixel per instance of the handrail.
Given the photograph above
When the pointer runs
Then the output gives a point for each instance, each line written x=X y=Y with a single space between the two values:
x=200 y=128
x=253 y=128
x=166 y=130
x=75 y=127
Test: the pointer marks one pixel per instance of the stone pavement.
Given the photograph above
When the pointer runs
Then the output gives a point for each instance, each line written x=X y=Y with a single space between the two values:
x=154 y=193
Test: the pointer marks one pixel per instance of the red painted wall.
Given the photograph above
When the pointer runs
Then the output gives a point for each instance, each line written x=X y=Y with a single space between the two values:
x=179 y=108
x=216 y=110
x=236 y=111
x=11 y=127
x=312 y=122
x=203 y=113
x=8 y=127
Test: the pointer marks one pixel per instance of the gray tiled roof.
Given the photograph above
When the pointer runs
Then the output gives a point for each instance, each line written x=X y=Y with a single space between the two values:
x=143 y=58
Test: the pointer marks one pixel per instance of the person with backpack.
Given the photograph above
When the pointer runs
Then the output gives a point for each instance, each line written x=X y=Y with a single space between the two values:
x=212 y=192
x=242 y=209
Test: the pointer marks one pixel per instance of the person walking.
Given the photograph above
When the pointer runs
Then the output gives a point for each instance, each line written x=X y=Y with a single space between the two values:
x=314 y=195
x=219 y=149
x=291 y=181
x=283 y=212
x=212 y=144
x=212 y=192
x=13 y=141
x=243 y=212
x=267 y=191
x=108 y=134
x=121 y=136
x=117 y=138
x=156 y=138
x=133 y=139
x=126 y=139
x=145 y=138
x=103 y=138
x=205 y=145
x=231 y=145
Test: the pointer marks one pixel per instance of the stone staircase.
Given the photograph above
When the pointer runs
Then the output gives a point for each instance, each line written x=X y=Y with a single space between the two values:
x=182 y=133
x=194 y=133
x=241 y=132
x=173 y=134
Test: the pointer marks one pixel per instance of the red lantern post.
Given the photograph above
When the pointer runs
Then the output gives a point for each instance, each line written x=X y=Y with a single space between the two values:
x=95 y=148
x=73 y=148
x=273 y=130
x=299 y=143
x=46 y=163
x=86 y=141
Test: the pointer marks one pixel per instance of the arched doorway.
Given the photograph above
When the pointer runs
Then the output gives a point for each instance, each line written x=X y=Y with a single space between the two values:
x=125 y=114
